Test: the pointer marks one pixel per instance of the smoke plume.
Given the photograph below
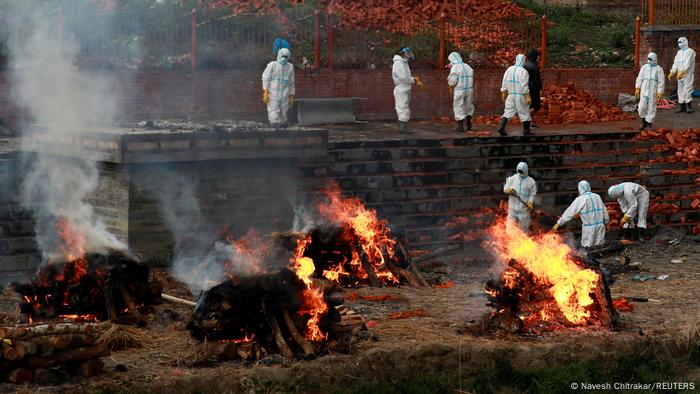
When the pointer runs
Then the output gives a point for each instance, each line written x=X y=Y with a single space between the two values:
x=62 y=100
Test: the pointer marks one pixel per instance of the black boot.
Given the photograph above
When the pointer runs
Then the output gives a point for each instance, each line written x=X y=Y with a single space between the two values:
x=460 y=126
x=690 y=107
x=526 y=128
x=469 y=122
x=644 y=125
x=681 y=108
x=403 y=126
x=502 y=127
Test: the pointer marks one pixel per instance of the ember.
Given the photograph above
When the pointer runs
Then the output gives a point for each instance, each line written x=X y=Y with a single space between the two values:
x=94 y=287
x=542 y=286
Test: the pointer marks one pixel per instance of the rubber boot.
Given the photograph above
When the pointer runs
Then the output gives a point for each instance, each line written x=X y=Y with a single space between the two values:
x=681 y=108
x=460 y=126
x=690 y=108
x=502 y=127
x=526 y=128
x=403 y=126
x=644 y=125
x=469 y=122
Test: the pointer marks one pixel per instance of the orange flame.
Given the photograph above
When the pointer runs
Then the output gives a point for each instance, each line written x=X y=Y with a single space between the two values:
x=73 y=249
x=314 y=303
x=550 y=262
x=362 y=226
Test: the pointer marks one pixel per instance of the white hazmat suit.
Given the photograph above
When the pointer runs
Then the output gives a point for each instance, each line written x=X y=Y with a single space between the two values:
x=403 y=81
x=650 y=83
x=594 y=215
x=461 y=79
x=278 y=79
x=634 y=202
x=684 y=63
x=523 y=186
x=515 y=83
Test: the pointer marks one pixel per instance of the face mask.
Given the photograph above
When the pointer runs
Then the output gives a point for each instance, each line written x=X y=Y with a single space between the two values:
x=284 y=61
x=521 y=174
x=651 y=62
x=680 y=45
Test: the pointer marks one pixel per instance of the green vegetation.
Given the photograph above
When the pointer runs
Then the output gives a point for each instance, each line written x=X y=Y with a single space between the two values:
x=580 y=38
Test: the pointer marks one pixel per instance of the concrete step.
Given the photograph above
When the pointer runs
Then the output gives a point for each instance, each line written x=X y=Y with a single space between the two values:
x=18 y=228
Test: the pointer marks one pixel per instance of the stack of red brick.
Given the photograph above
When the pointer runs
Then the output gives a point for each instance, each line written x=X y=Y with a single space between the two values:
x=568 y=104
x=682 y=145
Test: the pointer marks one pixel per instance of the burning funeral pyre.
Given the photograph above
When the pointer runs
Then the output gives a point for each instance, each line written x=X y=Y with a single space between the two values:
x=542 y=287
x=89 y=286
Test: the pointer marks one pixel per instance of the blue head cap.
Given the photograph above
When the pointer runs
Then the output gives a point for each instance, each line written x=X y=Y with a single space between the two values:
x=278 y=44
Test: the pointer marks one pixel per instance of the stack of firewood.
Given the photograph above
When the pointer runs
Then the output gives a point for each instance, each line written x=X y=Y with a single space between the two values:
x=29 y=351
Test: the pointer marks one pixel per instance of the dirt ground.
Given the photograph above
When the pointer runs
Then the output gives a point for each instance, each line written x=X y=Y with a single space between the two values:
x=395 y=349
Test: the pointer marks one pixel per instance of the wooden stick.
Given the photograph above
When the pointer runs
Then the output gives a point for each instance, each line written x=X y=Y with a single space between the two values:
x=130 y=304
x=177 y=300
x=281 y=343
x=368 y=267
x=45 y=329
x=9 y=353
x=69 y=355
x=298 y=338
x=435 y=254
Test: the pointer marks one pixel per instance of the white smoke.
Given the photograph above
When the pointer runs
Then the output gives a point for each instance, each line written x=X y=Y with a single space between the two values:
x=62 y=100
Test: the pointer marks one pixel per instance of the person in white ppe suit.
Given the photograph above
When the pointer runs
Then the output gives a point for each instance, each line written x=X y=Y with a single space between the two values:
x=634 y=203
x=684 y=67
x=649 y=88
x=403 y=82
x=278 y=88
x=593 y=213
x=521 y=189
x=516 y=96
x=461 y=83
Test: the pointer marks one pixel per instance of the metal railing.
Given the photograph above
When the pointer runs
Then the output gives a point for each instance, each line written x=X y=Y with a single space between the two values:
x=198 y=40
x=671 y=12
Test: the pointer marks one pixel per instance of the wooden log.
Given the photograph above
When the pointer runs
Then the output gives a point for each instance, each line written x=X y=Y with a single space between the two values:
x=46 y=347
x=368 y=267
x=281 y=343
x=26 y=348
x=46 y=329
x=177 y=300
x=133 y=309
x=42 y=376
x=21 y=376
x=9 y=353
x=60 y=342
x=68 y=355
x=436 y=254
x=305 y=346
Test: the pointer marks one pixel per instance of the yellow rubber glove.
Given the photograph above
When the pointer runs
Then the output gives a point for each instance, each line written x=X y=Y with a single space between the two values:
x=671 y=75
x=504 y=96
x=420 y=83
x=510 y=191
x=625 y=219
x=266 y=96
x=451 y=89
x=637 y=93
x=531 y=206
x=555 y=227
x=528 y=98
x=659 y=96
x=681 y=74
x=291 y=100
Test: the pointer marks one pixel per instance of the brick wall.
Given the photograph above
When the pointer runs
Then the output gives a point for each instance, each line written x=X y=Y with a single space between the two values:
x=236 y=94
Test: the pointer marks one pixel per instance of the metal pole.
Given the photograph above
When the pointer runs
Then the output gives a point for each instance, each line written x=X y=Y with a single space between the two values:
x=329 y=21
x=193 y=50
x=651 y=12
x=637 y=38
x=543 y=44
x=317 y=51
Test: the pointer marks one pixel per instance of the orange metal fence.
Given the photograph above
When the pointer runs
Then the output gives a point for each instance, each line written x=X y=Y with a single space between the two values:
x=671 y=12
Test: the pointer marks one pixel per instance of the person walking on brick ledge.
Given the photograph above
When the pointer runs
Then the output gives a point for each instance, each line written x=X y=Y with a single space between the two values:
x=278 y=88
x=461 y=84
x=649 y=88
x=515 y=93
x=403 y=82
x=684 y=66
